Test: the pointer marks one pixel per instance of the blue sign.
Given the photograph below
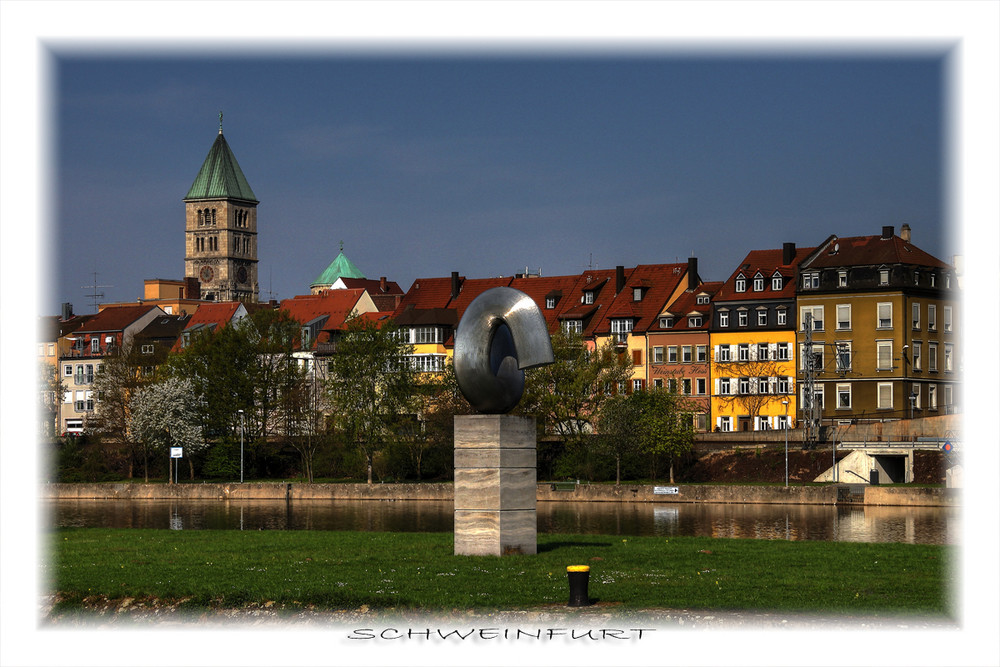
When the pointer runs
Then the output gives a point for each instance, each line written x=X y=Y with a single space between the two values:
x=947 y=446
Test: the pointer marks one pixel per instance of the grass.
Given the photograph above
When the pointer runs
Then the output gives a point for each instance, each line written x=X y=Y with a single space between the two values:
x=418 y=571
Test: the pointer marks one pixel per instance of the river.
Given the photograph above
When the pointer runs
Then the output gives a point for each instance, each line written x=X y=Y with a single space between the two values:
x=913 y=525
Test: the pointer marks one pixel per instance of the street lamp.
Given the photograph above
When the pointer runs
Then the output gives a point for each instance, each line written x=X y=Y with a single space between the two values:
x=785 y=403
x=241 y=445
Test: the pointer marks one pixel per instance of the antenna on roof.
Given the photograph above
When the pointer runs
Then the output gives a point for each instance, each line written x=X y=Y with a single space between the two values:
x=342 y=245
x=96 y=296
x=220 y=122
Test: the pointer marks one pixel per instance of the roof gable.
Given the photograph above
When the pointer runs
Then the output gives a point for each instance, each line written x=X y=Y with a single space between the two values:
x=115 y=318
x=766 y=263
x=871 y=251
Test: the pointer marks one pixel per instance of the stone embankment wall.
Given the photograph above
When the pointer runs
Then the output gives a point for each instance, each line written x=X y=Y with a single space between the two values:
x=802 y=495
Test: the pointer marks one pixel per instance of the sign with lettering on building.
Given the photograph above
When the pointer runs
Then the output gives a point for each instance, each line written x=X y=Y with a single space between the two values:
x=665 y=490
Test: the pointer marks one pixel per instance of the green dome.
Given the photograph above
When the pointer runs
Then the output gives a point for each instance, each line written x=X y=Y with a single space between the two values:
x=339 y=268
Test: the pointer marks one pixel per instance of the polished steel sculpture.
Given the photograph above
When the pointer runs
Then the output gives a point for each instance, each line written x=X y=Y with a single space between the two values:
x=502 y=333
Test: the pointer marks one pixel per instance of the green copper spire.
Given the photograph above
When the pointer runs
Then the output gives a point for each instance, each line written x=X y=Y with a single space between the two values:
x=339 y=268
x=220 y=176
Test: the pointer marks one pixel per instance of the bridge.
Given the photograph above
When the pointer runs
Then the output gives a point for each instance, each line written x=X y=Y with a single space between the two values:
x=887 y=461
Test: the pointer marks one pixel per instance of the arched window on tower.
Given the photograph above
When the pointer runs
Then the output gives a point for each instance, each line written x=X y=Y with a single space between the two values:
x=201 y=218
x=213 y=218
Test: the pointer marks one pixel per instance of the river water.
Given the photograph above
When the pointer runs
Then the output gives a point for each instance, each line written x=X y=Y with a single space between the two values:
x=914 y=525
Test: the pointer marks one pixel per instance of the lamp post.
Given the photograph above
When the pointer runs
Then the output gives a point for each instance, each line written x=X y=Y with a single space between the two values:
x=785 y=403
x=241 y=445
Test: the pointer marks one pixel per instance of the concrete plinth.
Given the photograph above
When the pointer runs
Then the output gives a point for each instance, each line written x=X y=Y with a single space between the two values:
x=495 y=485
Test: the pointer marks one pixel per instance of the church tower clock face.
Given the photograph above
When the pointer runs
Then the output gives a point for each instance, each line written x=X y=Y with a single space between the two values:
x=221 y=228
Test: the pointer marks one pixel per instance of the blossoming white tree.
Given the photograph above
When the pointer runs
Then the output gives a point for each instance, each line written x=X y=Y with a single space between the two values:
x=165 y=415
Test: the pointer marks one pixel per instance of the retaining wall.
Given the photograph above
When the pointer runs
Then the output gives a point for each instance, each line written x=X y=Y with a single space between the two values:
x=803 y=495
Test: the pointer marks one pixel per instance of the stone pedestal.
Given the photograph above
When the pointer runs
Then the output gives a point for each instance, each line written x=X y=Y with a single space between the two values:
x=495 y=490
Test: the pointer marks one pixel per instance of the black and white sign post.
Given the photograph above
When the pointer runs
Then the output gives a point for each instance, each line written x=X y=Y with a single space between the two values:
x=176 y=453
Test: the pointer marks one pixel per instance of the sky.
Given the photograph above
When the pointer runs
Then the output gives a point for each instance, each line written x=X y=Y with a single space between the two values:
x=483 y=138
x=491 y=162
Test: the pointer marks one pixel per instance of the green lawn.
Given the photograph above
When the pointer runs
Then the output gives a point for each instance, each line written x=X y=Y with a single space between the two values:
x=406 y=571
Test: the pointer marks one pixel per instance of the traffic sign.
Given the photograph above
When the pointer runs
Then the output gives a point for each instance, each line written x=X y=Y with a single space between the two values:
x=947 y=446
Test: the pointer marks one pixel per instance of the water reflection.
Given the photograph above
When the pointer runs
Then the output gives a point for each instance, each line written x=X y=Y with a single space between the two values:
x=914 y=525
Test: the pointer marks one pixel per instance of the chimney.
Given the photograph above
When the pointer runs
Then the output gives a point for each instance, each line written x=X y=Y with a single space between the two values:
x=192 y=288
x=904 y=232
x=455 y=285
x=693 y=279
x=787 y=254
x=67 y=311
x=619 y=279
x=381 y=283
x=887 y=232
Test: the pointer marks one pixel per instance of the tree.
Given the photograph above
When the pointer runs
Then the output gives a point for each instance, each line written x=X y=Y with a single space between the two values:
x=439 y=400
x=665 y=425
x=305 y=420
x=165 y=415
x=568 y=394
x=119 y=379
x=51 y=390
x=370 y=384
x=618 y=424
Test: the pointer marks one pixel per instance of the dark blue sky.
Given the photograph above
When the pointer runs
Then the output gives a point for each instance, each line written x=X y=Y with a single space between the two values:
x=486 y=163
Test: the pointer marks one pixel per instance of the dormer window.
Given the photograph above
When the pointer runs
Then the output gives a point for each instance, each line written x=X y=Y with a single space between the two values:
x=702 y=299
x=695 y=320
x=95 y=345
x=810 y=280
x=588 y=297
x=667 y=322
x=637 y=294
x=777 y=283
x=758 y=283
x=550 y=302
x=741 y=283
x=842 y=278
x=883 y=276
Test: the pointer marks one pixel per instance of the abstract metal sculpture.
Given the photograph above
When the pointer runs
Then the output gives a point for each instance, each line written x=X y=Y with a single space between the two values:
x=502 y=333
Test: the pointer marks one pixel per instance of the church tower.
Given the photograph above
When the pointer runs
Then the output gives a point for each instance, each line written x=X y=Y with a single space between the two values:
x=221 y=228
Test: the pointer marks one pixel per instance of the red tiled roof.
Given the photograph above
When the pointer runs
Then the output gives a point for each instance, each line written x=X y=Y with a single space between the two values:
x=214 y=313
x=658 y=281
x=374 y=287
x=766 y=262
x=427 y=293
x=473 y=287
x=337 y=305
x=115 y=318
x=872 y=251
x=686 y=304
x=558 y=287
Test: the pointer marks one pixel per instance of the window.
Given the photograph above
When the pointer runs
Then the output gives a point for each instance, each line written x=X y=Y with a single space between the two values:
x=695 y=321
x=931 y=317
x=744 y=352
x=636 y=385
x=947 y=281
x=550 y=302
x=588 y=297
x=666 y=322
x=883 y=350
x=764 y=386
x=79 y=374
x=883 y=276
x=916 y=356
x=743 y=317
x=843 y=356
x=916 y=397
x=741 y=283
x=686 y=386
x=816 y=357
x=843 y=396
x=68 y=370
x=885 y=316
x=744 y=385
x=813 y=314
x=427 y=363
x=686 y=354
x=784 y=352
x=672 y=384
x=702 y=299
x=620 y=327
x=637 y=294
x=810 y=280
x=932 y=397
x=843 y=316
x=147 y=349
x=841 y=278
x=723 y=318
x=762 y=317
x=95 y=345
x=784 y=385
x=777 y=283
x=782 y=317
x=949 y=352
x=658 y=383
x=725 y=386
x=947 y=319
x=700 y=386
x=701 y=353
x=573 y=326
x=428 y=334
x=932 y=357
x=763 y=351
x=658 y=354
x=916 y=276
x=933 y=279
x=948 y=395
x=884 y=396
x=724 y=353
x=672 y=354
x=758 y=283
x=725 y=424
x=916 y=317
